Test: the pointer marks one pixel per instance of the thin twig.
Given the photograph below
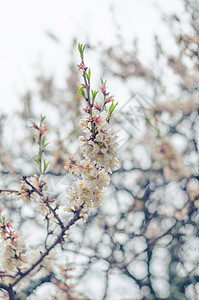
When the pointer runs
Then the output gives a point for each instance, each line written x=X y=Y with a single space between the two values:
x=46 y=201
x=58 y=240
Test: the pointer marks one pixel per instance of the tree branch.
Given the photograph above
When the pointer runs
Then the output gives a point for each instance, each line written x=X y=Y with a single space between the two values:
x=58 y=240
x=9 y=289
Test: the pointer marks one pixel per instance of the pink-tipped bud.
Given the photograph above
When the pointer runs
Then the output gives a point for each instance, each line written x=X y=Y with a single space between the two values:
x=43 y=129
x=96 y=106
x=109 y=99
x=34 y=125
x=103 y=89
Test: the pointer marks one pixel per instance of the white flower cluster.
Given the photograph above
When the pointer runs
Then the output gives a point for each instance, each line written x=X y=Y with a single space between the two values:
x=12 y=254
x=12 y=248
x=27 y=193
x=47 y=262
x=14 y=258
x=30 y=193
x=100 y=151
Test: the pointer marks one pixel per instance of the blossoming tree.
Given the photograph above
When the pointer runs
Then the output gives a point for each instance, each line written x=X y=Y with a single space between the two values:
x=144 y=238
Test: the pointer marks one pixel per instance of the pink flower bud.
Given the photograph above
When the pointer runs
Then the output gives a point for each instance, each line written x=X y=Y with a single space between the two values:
x=34 y=125
x=103 y=89
x=43 y=129
x=109 y=99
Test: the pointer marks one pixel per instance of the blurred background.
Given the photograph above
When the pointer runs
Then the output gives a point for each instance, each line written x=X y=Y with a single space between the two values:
x=36 y=37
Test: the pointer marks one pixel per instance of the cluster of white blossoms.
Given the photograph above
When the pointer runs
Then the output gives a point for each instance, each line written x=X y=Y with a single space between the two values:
x=12 y=248
x=31 y=191
x=28 y=192
x=15 y=259
x=100 y=151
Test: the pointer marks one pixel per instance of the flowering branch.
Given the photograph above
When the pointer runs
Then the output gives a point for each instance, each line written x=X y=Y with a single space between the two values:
x=58 y=240
x=99 y=148
x=41 y=140
x=46 y=201
x=9 y=290
x=100 y=153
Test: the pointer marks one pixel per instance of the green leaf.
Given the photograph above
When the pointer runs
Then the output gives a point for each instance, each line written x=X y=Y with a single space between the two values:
x=81 y=48
x=43 y=140
x=81 y=91
x=3 y=220
x=40 y=151
x=45 y=166
x=94 y=94
x=103 y=82
x=88 y=75
x=37 y=159
x=42 y=118
x=112 y=107
x=148 y=121
x=36 y=137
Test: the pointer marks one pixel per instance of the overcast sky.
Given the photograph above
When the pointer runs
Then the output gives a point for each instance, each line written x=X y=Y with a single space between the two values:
x=26 y=48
